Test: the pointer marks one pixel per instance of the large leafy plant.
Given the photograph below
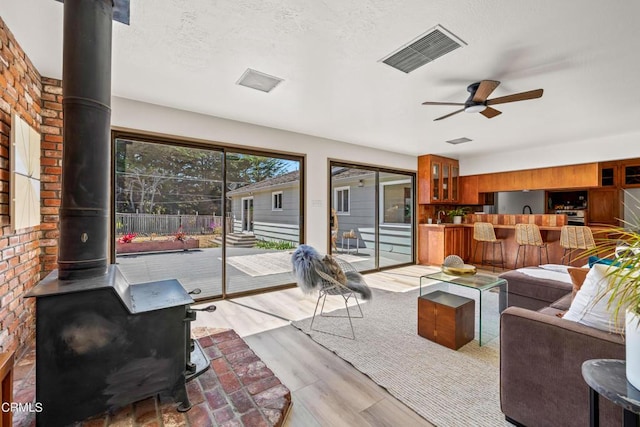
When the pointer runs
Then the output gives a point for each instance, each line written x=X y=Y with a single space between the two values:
x=622 y=246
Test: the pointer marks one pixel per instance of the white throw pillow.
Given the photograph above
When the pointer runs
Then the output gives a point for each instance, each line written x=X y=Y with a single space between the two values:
x=589 y=308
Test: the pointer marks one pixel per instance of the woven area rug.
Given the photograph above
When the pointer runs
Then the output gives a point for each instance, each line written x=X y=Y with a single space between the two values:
x=256 y=265
x=446 y=387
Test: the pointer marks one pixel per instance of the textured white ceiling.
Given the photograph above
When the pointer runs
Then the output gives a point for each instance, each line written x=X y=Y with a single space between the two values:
x=188 y=54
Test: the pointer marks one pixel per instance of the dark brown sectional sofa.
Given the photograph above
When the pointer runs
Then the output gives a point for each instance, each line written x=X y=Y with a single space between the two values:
x=541 y=357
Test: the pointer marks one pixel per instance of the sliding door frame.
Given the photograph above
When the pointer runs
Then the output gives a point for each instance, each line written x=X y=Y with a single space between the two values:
x=331 y=163
x=224 y=149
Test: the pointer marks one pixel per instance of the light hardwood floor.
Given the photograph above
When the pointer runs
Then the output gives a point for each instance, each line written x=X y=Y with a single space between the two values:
x=326 y=390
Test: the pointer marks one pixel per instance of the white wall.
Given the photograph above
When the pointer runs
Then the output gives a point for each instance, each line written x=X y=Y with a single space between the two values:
x=512 y=202
x=613 y=147
x=134 y=115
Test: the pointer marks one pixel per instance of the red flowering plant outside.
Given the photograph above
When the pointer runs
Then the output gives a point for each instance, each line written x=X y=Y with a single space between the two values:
x=127 y=238
x=180 y=235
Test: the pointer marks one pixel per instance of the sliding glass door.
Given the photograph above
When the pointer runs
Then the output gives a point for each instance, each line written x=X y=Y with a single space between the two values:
x=372 y=216
x=263 y=207
x=220 y=221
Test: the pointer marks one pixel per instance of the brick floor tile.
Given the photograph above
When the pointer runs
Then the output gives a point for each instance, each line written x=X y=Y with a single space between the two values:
x=205 y=342
x=241 y=401
x=173 y=419
x=274 y=416
x=216 y=398
x=145 y=411
x=233 y=423
x=208 y=380
x=223 y=415
x=254 y=419
x=199 y=416
x=240 y=356
x=224 y=336
x=232 y=346
x=229 y=382
x=213 y=352
x=194 y=391
x=220 y=366
x=262 y=385
x=271 y=394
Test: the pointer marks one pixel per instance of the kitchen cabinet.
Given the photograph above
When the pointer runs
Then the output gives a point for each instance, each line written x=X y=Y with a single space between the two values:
x=436 y=242
x=438 y=180
x=620 y=174
x=604 y=206
x=631 y=174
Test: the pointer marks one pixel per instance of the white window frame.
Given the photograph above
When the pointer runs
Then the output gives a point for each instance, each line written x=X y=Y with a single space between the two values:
x=274 y=206
x=381 y=207
x=337 y=190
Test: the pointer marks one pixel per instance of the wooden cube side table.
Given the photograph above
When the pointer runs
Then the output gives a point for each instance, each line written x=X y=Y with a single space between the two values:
x=446 y=319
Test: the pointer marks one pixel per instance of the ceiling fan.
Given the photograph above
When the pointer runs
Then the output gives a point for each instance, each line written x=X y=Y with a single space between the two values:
x=478 y=102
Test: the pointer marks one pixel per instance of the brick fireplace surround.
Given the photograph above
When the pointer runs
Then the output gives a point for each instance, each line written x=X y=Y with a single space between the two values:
x=238 y=390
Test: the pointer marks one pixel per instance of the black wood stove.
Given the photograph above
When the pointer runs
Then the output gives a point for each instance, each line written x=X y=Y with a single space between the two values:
x=101 y=343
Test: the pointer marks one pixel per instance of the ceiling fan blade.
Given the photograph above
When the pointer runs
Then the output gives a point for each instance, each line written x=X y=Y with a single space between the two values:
x=442 y=103
x=522 y=96
x=484 y=90
x=490 y=113
x=449 y=115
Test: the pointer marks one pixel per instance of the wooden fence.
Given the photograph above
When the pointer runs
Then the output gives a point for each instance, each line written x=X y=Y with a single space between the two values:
x=168 y=224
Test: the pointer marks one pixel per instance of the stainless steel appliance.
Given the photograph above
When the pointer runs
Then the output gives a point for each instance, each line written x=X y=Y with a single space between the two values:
x=574 y=216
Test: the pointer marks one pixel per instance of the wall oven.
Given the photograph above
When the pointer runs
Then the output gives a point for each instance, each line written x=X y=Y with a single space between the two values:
x=574 y=217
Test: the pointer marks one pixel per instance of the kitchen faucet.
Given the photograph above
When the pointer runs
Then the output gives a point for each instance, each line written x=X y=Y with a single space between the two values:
x=438 y=218
x=524 y=208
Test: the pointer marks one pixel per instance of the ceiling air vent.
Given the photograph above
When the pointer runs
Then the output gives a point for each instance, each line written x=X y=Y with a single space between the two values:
x=259 y=81
x=459 y=140
x=426 y=48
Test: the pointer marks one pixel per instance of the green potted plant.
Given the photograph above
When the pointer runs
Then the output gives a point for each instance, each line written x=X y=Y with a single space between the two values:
x=622 y=247
x=457 y=214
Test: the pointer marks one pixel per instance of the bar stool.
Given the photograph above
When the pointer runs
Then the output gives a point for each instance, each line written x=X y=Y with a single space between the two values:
x=529 y=235
x=575 y=237
x=484 y=232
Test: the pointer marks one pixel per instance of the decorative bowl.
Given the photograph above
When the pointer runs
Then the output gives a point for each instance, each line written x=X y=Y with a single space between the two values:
x=466 y=269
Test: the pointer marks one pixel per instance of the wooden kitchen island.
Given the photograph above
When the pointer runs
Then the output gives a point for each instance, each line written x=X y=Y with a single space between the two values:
x=436 y=241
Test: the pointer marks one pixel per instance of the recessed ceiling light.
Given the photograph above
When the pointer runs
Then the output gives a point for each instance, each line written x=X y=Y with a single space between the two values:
x=259 y=81
x=459 y=140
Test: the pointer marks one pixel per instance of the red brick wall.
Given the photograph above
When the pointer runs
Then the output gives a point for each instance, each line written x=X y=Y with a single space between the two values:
x=20 y=92
x=51 y=172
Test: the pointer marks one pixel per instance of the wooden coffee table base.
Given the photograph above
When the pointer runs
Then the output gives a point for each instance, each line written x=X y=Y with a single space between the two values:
x=446 y=319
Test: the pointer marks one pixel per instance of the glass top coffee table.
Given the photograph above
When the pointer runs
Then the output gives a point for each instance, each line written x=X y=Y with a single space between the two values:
x=492 y=296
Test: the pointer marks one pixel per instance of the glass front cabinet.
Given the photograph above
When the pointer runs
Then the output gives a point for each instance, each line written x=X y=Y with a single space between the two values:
x=438 y=179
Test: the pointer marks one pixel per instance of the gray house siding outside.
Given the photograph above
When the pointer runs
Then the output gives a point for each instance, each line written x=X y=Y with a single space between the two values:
x=396 y=238
x=269 y=224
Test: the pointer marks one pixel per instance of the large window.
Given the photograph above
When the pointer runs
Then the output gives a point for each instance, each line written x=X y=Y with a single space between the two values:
x=374 y=216
x=223 y=222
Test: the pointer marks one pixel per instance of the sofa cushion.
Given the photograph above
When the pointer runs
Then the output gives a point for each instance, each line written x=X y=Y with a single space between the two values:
x=540 y=292
x=563 y=303
x=590 y=306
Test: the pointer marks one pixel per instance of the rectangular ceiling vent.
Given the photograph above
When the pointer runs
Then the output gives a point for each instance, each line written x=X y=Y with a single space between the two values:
x=259 y=81
x=426 y=48
x=459 y=140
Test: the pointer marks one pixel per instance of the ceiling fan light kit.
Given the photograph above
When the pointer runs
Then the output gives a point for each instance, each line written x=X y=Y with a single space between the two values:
x=475 y=108
x=478 y=102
